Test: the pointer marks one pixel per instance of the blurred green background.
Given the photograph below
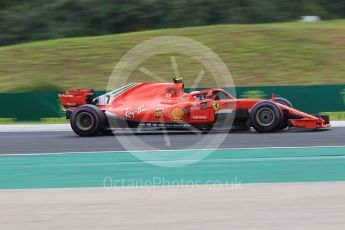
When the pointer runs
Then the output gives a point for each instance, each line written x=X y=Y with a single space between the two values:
x=260 y=41
x=51 y=46
x=256 y=55
x=23 y=20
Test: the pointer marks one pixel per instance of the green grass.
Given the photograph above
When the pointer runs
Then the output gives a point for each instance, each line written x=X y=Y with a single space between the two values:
x=13 y=121
x=336 y=116
x=263 y=54
x=5 y=121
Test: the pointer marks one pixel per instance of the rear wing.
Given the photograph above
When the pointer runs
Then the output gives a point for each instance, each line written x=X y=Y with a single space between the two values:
x=72 y=99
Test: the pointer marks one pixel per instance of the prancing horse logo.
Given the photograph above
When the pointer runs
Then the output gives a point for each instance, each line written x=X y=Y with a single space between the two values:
x=216 y=106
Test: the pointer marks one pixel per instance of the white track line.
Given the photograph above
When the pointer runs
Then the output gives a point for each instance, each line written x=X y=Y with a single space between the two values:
x=338 y=123
x=170 y=150
x=35 y=128
x=222 y=160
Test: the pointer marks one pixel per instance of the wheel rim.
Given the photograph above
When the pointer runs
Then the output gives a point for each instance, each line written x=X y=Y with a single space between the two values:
x=265 y=117
x=84 y=121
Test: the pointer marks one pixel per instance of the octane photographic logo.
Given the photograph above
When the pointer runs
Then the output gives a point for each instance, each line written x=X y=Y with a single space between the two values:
x=200 y=144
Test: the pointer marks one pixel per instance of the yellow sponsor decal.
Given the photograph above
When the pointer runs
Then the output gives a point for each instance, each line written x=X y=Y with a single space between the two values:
x=177 y=113
x=216 y=106
x=158 y=113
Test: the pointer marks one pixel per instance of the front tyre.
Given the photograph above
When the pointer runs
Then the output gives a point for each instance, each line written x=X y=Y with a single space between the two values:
x=87 y=120
x=286 y=102
x=266 y=117
x=283 y=101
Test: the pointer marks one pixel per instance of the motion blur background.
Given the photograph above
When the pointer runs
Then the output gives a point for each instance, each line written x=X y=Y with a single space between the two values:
x=51 y=46
x=294 y=48
x=23 y=21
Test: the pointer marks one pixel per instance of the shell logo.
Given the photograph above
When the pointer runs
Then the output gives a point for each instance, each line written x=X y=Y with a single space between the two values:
x=177 y=113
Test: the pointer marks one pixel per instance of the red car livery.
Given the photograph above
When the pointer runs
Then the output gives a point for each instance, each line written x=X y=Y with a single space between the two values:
x=166 y=105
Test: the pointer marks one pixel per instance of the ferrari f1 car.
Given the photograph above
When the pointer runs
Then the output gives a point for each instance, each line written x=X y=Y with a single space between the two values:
x=166 y=105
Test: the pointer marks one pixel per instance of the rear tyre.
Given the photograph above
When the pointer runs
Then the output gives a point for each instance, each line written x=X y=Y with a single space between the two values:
x=266 y=117
x=87 y=120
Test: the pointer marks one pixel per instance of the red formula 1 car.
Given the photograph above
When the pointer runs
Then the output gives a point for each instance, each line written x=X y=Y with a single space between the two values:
x=166 y=105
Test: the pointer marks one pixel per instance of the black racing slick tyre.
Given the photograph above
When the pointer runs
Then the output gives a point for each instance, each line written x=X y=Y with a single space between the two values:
x=266 y=117
x=87 y=120
x=286 y=102
x=283 y=101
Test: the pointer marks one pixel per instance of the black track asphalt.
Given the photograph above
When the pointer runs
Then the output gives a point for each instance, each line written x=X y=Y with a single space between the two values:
x=56 y=142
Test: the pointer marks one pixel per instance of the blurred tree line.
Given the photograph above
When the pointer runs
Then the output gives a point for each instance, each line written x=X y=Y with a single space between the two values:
x=22 y=20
